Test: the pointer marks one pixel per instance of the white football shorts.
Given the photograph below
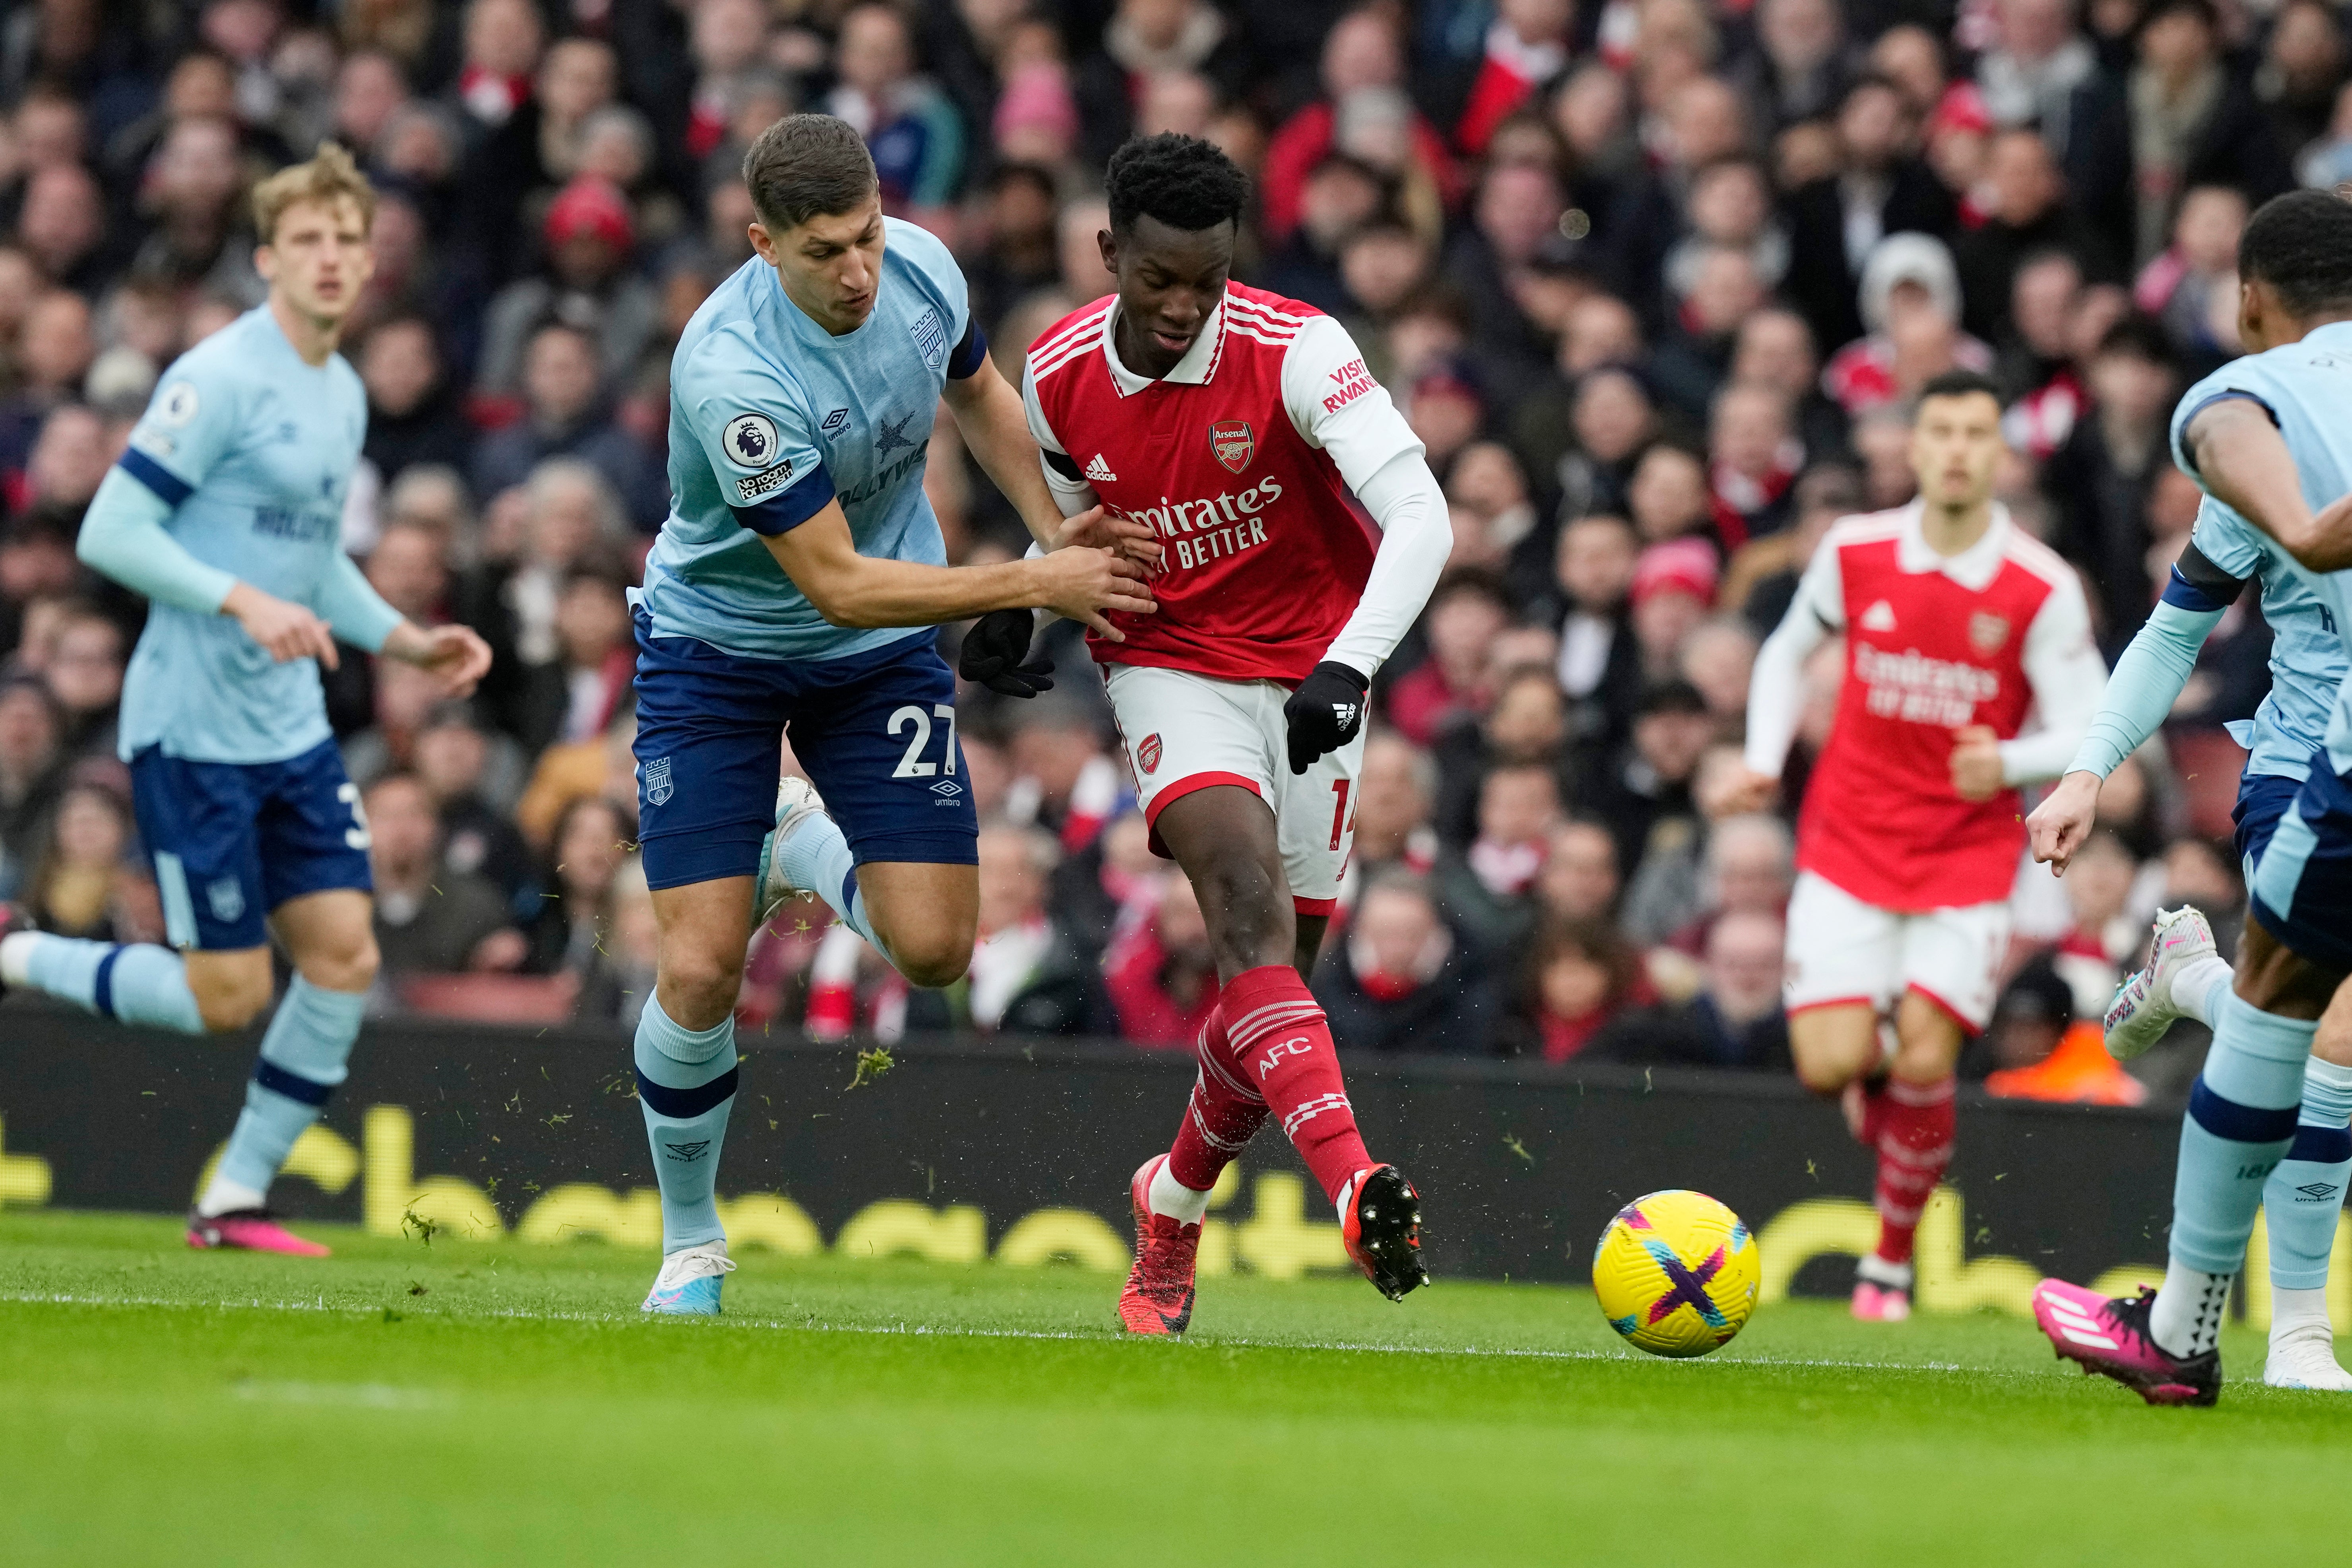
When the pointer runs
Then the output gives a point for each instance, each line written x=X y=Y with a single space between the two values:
x=1184 y=733
x=1841 y=949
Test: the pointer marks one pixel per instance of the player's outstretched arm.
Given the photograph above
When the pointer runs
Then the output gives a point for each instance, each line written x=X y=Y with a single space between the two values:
x=2147 y=681
x=2244 y=462
x=852 y=590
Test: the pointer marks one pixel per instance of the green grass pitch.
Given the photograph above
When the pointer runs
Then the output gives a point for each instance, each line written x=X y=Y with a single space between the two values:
x=415 y=1404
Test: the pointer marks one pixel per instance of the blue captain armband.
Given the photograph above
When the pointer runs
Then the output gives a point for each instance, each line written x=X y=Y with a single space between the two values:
x=2200 y=586
x=167 y=486
x=785 y=510
x=964 y=363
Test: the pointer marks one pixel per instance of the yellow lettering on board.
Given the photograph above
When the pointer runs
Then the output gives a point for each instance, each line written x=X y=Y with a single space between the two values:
x=449 y=1205
x=955 y=1234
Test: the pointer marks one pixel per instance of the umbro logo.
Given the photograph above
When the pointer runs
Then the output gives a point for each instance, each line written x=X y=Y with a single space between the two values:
x=2317 y=1192
x=947 y=787
x=688 y=1153
x=835 y=422
x=1879 y=617
x=1099 y=471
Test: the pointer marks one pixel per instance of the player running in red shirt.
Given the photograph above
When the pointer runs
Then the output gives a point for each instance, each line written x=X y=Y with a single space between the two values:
x=1302 y=531
x=1958 y=625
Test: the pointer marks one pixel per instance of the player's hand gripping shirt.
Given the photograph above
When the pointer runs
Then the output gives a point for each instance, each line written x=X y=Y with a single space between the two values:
x=770 y=417
x=1933 y=644
x=1247 y=458
x=2306 y=387
x=252 y=447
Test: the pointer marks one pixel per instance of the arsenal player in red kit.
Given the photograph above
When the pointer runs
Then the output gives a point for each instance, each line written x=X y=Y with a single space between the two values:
x=1301 y=531
x=1958 y=625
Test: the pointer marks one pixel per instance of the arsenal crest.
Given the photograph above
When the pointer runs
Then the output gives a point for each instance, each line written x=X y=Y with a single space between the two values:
x=1988 y=632
x=1230 y=441
x=1147 y=755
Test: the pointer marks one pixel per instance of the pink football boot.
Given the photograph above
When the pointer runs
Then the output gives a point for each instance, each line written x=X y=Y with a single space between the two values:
x=2110 y=1337
x=249 y=1230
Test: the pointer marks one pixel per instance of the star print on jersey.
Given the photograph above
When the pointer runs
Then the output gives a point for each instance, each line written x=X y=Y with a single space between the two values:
x=892 y=437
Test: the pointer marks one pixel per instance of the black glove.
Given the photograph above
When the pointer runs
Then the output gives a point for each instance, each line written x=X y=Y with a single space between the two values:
x=993 y=652
x=1325 y=713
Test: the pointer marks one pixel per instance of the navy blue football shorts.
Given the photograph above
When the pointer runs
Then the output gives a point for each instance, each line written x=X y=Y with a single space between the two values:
x=875 y=731
x=232 y=841
x=2263 y=799
x=2302 y=883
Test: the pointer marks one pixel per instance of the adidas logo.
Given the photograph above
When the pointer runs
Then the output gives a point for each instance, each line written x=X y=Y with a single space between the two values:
x=1879 y=617
x=1099 y=471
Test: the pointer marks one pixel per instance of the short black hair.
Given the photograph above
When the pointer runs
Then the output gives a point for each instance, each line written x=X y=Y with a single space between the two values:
x=2301 y=245
x=806 y=166
x=1183 y=180
x=1960 y=384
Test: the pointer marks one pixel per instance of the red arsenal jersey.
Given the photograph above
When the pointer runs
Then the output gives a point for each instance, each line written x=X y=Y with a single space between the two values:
x=1230 y=458
x=1932 y=644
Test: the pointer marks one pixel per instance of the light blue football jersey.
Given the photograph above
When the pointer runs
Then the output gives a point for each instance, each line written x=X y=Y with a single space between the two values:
x=770 y=417
x=253 y=448
x=2307 y=660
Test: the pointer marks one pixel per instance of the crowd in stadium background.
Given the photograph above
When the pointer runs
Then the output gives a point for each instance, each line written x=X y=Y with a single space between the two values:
x=1650 y=278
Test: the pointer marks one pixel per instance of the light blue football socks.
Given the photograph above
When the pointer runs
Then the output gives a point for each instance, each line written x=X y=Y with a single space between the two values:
x=305 y=1055
x=2240 y=1123
x=686 y=1085
x=815 y=855
x=2306 y=1194
x=136 y=983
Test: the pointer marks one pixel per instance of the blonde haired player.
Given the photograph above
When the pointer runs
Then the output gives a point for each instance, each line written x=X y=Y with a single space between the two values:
x=226 y=511
x=1957 y=627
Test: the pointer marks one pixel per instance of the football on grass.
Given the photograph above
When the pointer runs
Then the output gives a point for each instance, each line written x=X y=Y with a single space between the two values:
x=1676 y=1273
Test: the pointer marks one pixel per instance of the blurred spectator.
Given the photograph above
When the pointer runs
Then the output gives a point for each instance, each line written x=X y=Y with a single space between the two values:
x=574 y=696
x=1580 y=881
x=575 y=909
x=32 y=775
x=1028 y=976
x=1396 y=791
x=473 y=778
x=429 y=918
x=1361 y=51
x=2028 y=211
x=588 y=284
x=1648 y=782
x=413 y=412
x=1574 y=979
x=1466 y=611
x=1600 y=658
x=1146 y=38
x=2099 y=482
x=85 y=882
x=912 y=129
x=1673 y=587
x=84 y=669
x=1487 y=889
x=2193 y=122
x=1881 y=187
x=1734 y=1021
x=2037 y=1049
x=1162 y=978
x=1526 y=722
x=1402 y=981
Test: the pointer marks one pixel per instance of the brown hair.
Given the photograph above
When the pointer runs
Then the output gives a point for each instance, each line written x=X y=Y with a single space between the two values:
x=329 y=176
x=806 y=166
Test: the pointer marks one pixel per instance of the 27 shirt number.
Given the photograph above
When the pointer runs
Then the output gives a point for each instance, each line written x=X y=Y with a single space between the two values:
x=911 y=765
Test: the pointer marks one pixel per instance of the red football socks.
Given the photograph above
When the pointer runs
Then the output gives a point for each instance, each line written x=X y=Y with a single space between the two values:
x=1281 y=1048
x=1915 y=1149
x=1224 y=1114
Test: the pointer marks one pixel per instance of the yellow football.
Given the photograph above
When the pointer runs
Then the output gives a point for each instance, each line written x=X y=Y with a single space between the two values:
x=1676 y=1273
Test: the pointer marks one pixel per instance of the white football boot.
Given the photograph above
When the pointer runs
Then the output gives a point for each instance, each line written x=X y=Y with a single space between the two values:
x=2144 y=1006
x=796 y=802
x=2304 y=1357
x=689 y=1282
